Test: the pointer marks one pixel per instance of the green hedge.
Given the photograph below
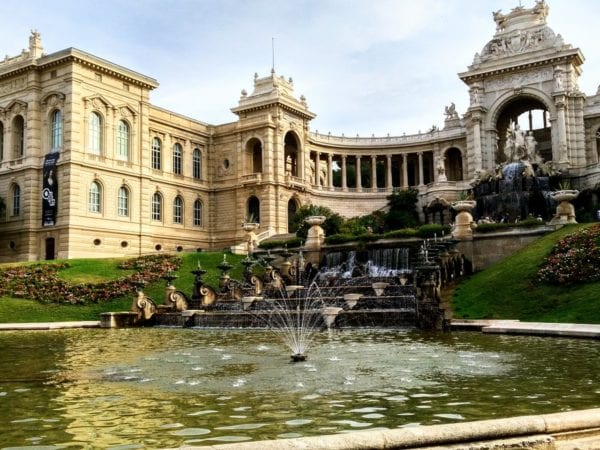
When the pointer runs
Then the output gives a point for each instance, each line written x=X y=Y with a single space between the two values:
x=497 y=226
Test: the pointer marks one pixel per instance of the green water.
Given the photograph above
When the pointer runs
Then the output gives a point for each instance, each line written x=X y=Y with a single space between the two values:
x=156 y=388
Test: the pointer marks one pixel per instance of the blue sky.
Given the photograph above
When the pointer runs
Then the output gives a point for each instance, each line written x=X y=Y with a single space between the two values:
x=365 y=66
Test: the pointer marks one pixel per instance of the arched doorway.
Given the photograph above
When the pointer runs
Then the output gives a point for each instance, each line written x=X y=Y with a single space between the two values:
x=292 y=208
x=453 y=163
x=527 y=116
x=50 y=248
x=253 y=210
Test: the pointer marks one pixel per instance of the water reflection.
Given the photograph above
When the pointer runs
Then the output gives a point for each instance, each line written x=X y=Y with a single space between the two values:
x=169 y=387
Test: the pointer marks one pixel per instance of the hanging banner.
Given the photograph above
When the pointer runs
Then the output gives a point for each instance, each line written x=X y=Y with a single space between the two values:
x=49 y=190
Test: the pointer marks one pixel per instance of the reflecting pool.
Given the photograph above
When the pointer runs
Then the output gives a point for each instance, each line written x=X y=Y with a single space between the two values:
x=162 y=387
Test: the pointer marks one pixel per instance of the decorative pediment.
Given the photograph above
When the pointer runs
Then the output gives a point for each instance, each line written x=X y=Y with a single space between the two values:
x=127 y=112
x=17 y=107
x=53 y=99
x=98 y=102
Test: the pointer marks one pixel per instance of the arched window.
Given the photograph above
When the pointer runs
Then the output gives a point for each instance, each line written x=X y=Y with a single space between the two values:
x=123 y=140
x=95 y=134
x=597 y=145
x=123 y=202
x=177 y=152
x=156 y=153
x=56 y=131
x=197 y=164
x=253 y=210
x=16 y=200
x=156 y=207
x=198 y=213
x=178 y=210
x=1 y=141
x=95 y=194
x=18 y=135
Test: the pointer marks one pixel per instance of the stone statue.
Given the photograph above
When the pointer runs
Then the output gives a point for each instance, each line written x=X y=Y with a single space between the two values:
x=558 y=80
x=450 y=111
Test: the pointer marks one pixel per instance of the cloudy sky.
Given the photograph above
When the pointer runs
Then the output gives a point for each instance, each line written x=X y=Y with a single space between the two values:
x=365 y=66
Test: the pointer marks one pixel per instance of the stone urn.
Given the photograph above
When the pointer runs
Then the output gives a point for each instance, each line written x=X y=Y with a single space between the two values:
x=329 y=314
x=379 y=287
x=464 y=225
x=565 y=211
x=247 y=302
x=351 y=299
x=251 y=238
x=315 y=236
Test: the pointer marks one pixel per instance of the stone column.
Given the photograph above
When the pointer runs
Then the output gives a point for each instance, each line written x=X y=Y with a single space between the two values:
x=421 y=177
x=562 y=131
x=404 y=170
x=477 y=141
x=344 y=178
x=330 y=170
x=317 y=169
x=358 y=176
x=373 y=173
x=388 y=178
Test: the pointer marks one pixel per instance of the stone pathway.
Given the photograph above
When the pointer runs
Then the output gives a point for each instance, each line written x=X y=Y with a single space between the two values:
x=49 y=325
x=532 y=328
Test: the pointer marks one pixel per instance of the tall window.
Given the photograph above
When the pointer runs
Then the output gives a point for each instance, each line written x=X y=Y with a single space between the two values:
x=178 y=210
x=1 y=141
x=156 y=153
x=16 y=200
x=18 y=135
x=198 y=213
x=197 y=164
x=56 y=131
x=123 y=140
x=123 y=202
x=94 y=203
x=156 y=207
x=177 y=152
x=95 y=134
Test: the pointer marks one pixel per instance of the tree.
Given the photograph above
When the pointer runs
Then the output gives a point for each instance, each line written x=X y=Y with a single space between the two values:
x=402 y=211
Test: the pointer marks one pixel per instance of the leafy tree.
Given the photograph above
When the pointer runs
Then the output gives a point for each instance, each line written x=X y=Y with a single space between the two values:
x=332 y=225
x=402 y=210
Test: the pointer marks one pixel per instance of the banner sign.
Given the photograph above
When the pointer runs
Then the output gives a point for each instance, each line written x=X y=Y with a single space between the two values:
x=49 y=190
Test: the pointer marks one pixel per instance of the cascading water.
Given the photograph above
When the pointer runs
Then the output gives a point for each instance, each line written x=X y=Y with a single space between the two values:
x=377 y=262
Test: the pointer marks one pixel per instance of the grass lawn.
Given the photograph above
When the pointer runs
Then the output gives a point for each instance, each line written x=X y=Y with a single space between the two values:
x=508 y=290
x=18 y=310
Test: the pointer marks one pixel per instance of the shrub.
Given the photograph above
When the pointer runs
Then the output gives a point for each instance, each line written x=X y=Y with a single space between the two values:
x=433 y=229
x=574 y=259
x=290 y=243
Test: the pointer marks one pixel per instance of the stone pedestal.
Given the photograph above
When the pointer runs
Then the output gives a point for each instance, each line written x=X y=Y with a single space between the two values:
x=464 y=225
x=565 y=211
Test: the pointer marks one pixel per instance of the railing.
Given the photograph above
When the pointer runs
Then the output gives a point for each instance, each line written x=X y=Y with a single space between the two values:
x=387 y=140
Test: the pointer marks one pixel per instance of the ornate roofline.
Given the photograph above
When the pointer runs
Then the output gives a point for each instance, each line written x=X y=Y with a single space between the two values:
x=73 y=55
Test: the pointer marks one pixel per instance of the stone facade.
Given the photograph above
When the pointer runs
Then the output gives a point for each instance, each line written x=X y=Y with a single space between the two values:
x=132 y=178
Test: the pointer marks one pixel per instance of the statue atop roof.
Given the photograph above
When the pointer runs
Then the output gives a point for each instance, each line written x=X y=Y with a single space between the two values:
x=519 y=31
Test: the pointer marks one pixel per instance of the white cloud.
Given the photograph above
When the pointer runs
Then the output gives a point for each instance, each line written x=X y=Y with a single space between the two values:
x=365 y=66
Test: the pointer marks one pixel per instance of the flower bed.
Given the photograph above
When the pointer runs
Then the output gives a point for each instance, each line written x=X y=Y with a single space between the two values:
x=41 y=282
x=574 y=259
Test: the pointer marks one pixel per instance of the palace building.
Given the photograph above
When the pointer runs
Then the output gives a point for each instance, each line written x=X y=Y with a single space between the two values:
x=90 y=168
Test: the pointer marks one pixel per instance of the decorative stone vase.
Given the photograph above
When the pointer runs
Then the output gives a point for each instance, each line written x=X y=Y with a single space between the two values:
x=352 y=299
x=463 y=227
x=315 y=236
x=250 y=226
x=379 y=287
x=565 y=211
x=251 y=238
x=329 y=314
x=247 y=302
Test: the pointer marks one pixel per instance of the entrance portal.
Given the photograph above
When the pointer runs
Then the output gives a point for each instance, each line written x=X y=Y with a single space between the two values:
x=50 y=248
